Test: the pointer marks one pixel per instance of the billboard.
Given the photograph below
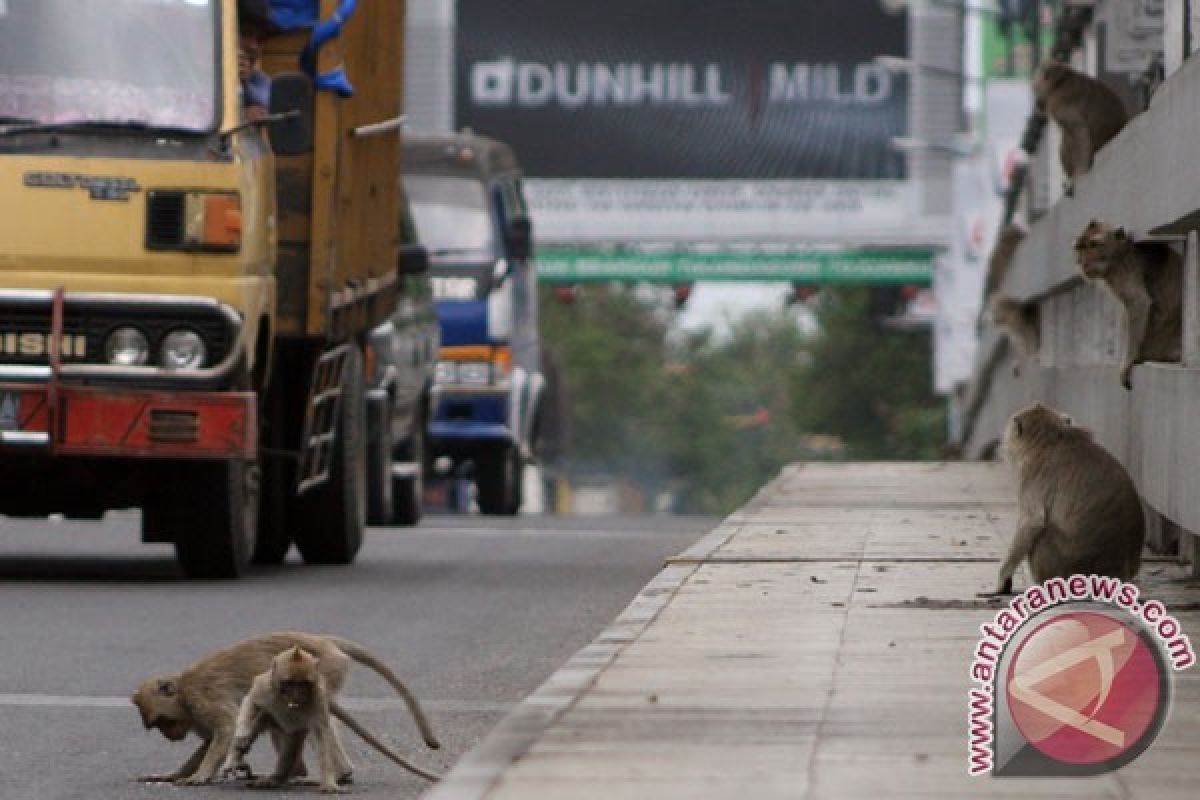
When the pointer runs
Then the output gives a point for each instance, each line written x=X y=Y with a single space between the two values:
x=681 y=90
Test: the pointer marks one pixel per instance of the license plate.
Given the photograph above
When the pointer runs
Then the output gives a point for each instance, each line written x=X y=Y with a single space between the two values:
x=10 y=409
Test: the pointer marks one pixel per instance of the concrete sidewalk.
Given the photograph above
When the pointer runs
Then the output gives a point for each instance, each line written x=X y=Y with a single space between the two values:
x=816 y=645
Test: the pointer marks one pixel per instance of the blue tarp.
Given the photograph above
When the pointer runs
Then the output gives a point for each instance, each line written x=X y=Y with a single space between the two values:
x=293 y=14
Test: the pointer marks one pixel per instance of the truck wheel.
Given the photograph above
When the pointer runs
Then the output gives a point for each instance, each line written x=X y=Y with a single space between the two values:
x=498 y=481
x=214 y=517
x=379 y=468
x=408 y=491
x=274 y=541
x=329 y=520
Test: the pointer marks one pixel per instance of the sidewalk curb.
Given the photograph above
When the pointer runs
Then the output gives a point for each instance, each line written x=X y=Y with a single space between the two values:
x=481 y=768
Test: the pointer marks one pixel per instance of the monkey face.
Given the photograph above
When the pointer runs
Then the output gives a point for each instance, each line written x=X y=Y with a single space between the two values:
x=1097 y=246
x=174 y=729
x=296 y=694
x=294 y=676
x=1049 y=77
x=159 y=703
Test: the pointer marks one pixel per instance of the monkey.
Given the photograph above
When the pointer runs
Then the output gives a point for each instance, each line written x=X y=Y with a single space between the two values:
x=292 y=700
x=1146 y=278
x=1089 y=114
x=1001 y=257
x=1078 y=511
x=292 y=697
x=206 y=695
x=1020 y=322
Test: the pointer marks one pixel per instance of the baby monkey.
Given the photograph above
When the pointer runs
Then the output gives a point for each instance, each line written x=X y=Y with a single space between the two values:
x=293 y=699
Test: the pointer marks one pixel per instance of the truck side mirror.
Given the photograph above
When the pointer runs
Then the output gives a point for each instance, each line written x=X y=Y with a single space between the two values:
x=518 y=238
x=413 y=259
x=292 y=93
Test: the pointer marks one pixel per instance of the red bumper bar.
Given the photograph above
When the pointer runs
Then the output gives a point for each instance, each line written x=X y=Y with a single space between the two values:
x=88 y=421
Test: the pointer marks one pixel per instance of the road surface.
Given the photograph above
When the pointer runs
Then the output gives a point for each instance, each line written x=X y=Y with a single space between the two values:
x=472 y=612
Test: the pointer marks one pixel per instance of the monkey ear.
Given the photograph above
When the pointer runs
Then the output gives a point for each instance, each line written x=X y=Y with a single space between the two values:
x=1017 y=426
x=167 y=688
x=1120 y=233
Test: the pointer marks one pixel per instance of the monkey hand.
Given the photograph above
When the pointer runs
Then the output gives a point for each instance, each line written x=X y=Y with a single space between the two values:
x=1126 y=379
x=269 y=782
x=194 y=780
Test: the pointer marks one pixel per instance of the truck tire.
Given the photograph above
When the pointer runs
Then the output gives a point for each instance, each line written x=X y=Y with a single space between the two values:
x=274 y=540
x=329 y=521
x=408 y=492
x=498 y=481
x=380 y=501
x=213 y=515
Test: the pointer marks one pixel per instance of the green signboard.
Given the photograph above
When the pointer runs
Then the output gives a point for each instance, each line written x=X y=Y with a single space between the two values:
x=817 y=267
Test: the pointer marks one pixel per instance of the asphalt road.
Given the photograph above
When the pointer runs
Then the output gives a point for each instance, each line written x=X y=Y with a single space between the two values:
x=472 y=612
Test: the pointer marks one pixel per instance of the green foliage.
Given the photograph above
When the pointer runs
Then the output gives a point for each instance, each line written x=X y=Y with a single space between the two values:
x=869 y=386
x=713 y=419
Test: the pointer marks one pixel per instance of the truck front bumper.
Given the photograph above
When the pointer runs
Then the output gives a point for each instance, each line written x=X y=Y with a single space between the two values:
x=461 y=418
x=67 y=420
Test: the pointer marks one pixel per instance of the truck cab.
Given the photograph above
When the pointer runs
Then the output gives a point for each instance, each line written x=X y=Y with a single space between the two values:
x=470 y=212
x=186 y=292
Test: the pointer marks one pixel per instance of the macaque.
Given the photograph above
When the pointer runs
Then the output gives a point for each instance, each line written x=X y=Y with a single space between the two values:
x=1146 y=278
x=1088 y=113
x=1020 y=322
x=291 y=697
x=1001 y=258
x=205 y=697
x=1078 y=511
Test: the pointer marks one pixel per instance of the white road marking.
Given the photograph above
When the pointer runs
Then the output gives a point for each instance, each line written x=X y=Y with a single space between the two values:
x=362 y=704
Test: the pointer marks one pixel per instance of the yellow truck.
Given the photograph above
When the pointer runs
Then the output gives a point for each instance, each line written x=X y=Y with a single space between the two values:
x=186 y=288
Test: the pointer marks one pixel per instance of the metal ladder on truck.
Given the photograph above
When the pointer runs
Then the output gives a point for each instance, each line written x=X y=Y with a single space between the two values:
x=321 y=419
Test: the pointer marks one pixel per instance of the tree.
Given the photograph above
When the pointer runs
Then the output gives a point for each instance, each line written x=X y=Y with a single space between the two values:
x=868 y=385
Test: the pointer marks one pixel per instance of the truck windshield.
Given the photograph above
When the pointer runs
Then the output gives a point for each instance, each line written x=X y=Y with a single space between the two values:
x=150 y=62
x=451 y=215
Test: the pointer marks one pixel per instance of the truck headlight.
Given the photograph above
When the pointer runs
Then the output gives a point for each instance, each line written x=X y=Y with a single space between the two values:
x=475 y=373
x=445 y=372
x=183 y=349
x=127 y=347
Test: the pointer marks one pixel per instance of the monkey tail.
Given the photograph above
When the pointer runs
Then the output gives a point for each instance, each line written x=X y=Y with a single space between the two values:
x=370 y=739
x=368 y=659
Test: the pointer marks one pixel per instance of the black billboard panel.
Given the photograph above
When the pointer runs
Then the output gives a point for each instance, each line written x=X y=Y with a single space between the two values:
x=762 y=90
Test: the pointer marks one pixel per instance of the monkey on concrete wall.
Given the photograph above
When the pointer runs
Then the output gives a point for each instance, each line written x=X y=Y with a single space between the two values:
x=1088 y=113
x=1146 y=278
x=1078 y=511
x=205 y=697
x=1000 y=260
x=1020 y=322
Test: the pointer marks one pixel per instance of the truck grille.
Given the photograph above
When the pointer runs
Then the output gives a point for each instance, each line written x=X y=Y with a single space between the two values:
x=25 y=331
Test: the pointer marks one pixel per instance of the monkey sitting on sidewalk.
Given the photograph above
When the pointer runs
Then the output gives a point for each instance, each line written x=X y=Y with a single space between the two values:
x=1078 y=511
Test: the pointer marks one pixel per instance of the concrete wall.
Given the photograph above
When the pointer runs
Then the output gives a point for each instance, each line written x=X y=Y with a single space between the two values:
x=1148 y=180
